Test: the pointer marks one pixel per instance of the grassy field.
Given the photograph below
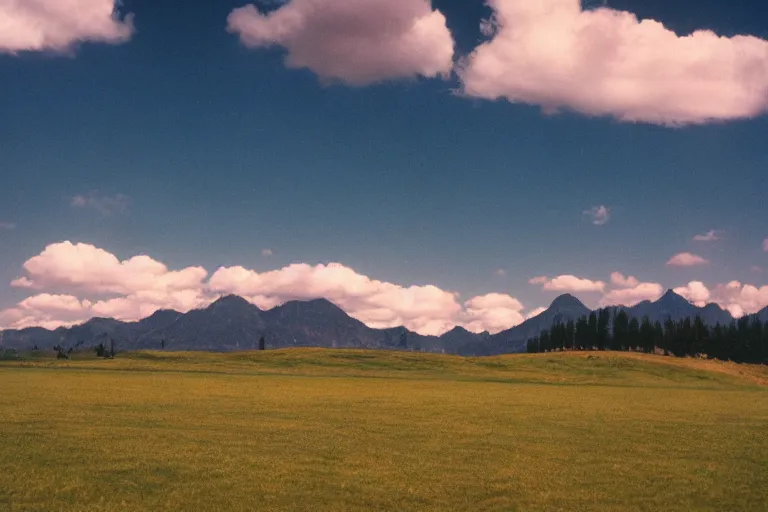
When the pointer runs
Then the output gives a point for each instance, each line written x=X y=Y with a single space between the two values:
x=351 y=430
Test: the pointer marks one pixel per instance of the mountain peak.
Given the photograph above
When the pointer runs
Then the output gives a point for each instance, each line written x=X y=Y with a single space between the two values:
x=316 y=305
x=322 y=303
x=566 y=301
x=671 y=297
x=230 y=302
x=160 y=313
x=316 y=308
x=456 y=331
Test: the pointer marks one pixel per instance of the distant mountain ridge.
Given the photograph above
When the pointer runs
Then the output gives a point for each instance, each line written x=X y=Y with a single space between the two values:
x=233 y=323
x=672 y=305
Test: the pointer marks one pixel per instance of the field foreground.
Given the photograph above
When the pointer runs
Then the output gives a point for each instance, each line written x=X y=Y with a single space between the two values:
x=352 y=430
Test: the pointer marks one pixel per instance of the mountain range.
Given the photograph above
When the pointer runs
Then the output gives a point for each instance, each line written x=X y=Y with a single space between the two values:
x=232 y=323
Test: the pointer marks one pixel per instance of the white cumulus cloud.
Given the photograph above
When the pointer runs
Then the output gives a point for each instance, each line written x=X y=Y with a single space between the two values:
x=87 y=268
x=686 y=259
x=494 y=312
x=600 y=215
x=619 y=279
x=605 y=62
x=568 y=283
x=741 y=299
x=710 y=236
x=738 y=298
x=534 y=313
x=58 y=25
x=127 y=290
x=696 y=292
x=46 y=310
x=630 y=291
x=356 y=42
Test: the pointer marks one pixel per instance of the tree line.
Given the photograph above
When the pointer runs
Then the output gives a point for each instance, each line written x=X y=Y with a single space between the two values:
x=744 y=340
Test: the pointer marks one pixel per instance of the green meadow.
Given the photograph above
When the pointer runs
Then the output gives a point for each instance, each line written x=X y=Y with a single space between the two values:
x=340 y=430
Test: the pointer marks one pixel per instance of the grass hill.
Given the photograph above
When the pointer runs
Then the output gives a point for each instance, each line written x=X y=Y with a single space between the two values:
x=575 y=368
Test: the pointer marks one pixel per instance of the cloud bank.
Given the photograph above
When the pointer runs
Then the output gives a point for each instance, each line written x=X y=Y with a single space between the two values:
x=356 y=42
x=127 y=290
x=629 y=291
x=58 y=25
x=632 y=296
x=424 y=309
x=622 y=290
x=604 y=62
x=71 y=283
x=75 y=282
x=738 y=298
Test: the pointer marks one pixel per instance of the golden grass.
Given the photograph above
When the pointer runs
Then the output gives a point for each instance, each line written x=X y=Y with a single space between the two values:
x=353 y=430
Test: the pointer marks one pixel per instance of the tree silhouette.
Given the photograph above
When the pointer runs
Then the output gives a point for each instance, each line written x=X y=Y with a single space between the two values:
x=63 y=352
x=620 y=331
x=744 y=340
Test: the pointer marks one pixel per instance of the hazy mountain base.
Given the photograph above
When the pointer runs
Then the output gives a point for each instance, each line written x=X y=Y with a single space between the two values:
x=370 y=430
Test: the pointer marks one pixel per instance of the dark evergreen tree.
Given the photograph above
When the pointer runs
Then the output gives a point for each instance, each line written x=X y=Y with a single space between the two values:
x=756 y=341
x=634 y=339
x=570 y=333
x=670 y=334
x=592 y=339
x=603 y=333
x=699 y=338
x=715 y=346
x=647 y=333
x=620 y=331
x=658 y=337
x=544 y=342
x=731 y=344
x=582 y=334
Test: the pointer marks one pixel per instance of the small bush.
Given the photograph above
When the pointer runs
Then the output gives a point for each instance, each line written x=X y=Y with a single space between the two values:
x=10 y=354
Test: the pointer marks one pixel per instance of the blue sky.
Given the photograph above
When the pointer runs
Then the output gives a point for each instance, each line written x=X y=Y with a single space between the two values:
x=219 y=152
